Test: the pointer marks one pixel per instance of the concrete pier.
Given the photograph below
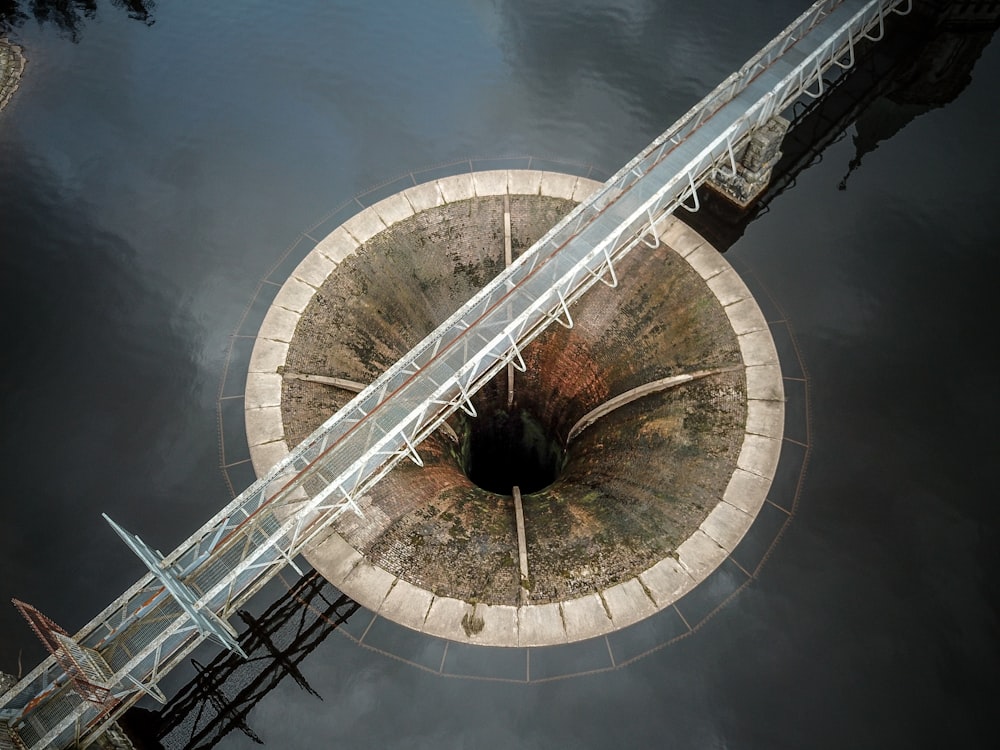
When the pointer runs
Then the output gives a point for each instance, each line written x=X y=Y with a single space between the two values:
x=12 y=63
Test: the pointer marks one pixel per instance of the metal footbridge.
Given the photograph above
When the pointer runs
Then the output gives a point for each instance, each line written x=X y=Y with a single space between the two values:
x=189 y=594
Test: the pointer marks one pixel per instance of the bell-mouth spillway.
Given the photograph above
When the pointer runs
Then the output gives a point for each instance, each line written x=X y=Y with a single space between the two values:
x=646 y=435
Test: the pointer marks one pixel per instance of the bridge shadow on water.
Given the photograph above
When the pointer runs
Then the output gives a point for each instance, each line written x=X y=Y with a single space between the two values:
x=219 y=699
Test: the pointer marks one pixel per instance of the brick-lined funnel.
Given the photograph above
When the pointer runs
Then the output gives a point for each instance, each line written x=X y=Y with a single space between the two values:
x=637 y=509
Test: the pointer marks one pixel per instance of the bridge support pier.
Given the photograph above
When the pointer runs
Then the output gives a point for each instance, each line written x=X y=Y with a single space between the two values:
x=754 y=162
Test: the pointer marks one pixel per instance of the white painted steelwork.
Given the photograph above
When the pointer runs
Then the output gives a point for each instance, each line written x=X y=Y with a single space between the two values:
x=147 y=630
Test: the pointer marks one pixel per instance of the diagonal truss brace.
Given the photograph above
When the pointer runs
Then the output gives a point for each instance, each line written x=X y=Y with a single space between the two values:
x=207 y=622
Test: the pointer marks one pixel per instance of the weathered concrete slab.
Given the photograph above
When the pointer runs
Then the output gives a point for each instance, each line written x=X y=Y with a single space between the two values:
x=558 y=185
x=263 y=389
x=444 y=618
x=337 y=245
x=764 y=382
x=279 y=324
x=766 y=418
x=369 y=584
x=540 y=625
x=760 y=455
x=681 y=238
x=757 y=348
x=585 y=188
x=424 y=196
x=667 y=581
x=628 y=602
x=707 y=261
x=700 y=555
x=294 y=295
x=268 y=355
x=747 y=491
x=314 y=269
x=726 y=525
x=458 y=187
x=264 y=456
x=335 y=558
x=524 y=182
x=729 y=288
x=364 y=225
x=265 y=424
x=745 y=316
x=585 y=617
x=393 y=209
x=406 y=604
x=499 y=625
x=492 y=182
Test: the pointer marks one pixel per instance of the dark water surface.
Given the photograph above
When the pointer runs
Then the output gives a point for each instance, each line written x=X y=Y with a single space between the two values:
x=151 y=176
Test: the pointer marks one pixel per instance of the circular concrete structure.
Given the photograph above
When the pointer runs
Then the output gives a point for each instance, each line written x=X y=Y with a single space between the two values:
x=649 y=432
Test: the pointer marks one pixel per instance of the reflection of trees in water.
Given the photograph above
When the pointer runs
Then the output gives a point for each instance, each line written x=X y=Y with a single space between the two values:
x=67 y=15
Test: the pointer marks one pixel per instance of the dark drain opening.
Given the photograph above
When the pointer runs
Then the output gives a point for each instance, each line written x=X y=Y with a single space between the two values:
x=511 y=448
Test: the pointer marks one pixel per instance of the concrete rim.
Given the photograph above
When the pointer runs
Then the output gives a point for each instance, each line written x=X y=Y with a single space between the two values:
x=570 y=620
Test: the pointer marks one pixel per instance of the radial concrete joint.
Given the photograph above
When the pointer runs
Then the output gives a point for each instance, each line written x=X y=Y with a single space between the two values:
x=456 y=188
x=393 y=209
x=364 y=225
x=492 y=182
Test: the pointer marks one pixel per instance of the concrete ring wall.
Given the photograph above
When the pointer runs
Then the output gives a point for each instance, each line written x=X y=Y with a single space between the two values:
x=569 y=620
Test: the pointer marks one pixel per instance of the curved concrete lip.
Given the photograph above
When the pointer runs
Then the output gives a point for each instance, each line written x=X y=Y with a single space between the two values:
x=569 y=620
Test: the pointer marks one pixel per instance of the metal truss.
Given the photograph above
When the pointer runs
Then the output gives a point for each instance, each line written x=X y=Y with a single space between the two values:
x=190 y=592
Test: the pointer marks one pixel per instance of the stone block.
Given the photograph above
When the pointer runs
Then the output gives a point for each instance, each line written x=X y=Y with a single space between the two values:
x=747 y=491
x=334 y=558
x=314 y=269
x=759 y=455
x=585 y=617
x=279 y=324
x=264 y=425
x=764 y=382
x=524 y=181
x=364 y=225
x=628 y=602
x=558 y=185
x=766 y=418
x=424 y=196
x=728 y=287
x=368 y=585
x=444 y=618
x=585 y=188
x=265 y=456
x=393 y=209
x=268 y=355
x=458 y=187
x=745 y=316
x=294 y=295
x=726 y=525
x=757 y=348
x=540 y=625
x=667 y=581
x=490 y=182
x=681 y=238
x=707 y=261
x=407 y=604
x=337 y=245
x=263 y=389
x=499 y=625
x=700 y=555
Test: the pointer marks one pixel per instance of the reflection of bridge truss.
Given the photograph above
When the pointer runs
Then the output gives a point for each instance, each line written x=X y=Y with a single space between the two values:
x=221 y=696
x=189 y=594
